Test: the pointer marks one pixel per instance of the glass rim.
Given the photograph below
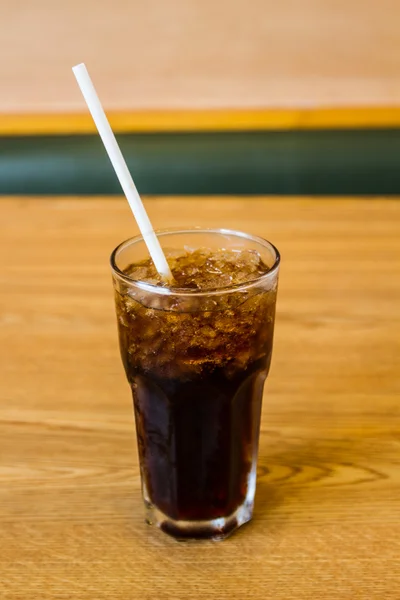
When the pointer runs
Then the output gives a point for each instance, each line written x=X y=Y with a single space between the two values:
x=165 y=291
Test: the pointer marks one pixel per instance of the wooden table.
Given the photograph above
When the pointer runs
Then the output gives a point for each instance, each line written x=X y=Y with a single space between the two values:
x=327 y=518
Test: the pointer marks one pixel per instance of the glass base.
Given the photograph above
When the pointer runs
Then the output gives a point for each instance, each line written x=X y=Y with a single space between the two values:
x=215 y=529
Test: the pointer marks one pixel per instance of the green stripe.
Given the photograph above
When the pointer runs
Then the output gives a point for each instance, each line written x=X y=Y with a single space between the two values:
x=287 y=162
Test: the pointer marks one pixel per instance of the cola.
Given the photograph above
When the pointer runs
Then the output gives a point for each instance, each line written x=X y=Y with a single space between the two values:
x=196 y=354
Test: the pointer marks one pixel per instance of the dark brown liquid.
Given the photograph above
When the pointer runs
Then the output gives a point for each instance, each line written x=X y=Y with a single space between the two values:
x=196 y=440
x=197 y=377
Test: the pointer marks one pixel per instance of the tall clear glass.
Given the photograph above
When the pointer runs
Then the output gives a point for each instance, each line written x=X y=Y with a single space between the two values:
x=196 y=362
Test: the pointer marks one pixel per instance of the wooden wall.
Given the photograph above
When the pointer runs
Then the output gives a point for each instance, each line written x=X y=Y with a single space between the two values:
x=200 y=53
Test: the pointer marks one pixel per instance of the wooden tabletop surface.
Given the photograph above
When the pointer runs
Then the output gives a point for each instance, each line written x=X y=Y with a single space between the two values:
x=327 y=517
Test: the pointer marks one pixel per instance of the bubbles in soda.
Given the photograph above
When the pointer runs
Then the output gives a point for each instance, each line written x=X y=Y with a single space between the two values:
x=196 y=359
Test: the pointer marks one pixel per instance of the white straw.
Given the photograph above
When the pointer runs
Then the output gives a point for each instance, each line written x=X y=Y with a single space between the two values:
x=122 y=171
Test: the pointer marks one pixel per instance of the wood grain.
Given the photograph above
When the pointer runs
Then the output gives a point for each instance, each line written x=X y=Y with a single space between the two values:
x=327 y=519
